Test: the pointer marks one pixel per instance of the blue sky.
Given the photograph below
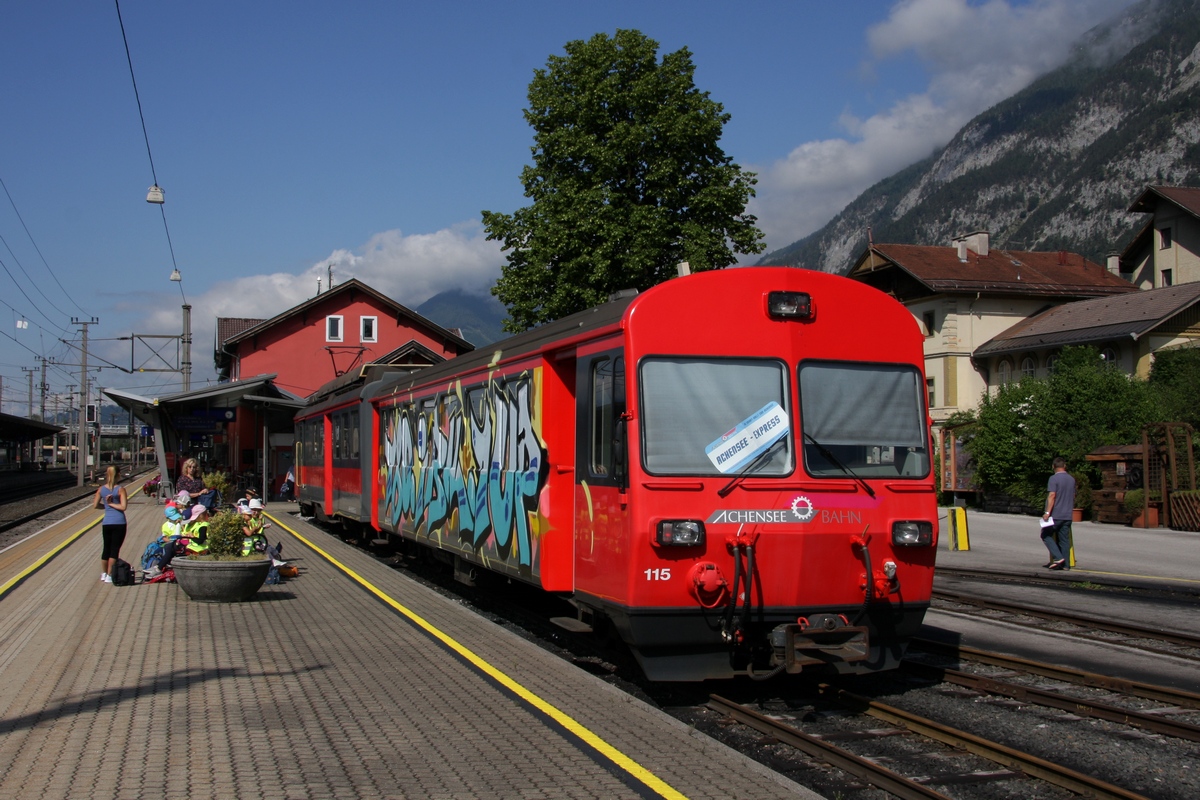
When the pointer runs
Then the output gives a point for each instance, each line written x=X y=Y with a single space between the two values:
x=291 y=136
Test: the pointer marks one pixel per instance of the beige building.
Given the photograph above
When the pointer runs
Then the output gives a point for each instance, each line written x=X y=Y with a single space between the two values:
x=1127 y=330
x=1166 y=252
x=965 y=295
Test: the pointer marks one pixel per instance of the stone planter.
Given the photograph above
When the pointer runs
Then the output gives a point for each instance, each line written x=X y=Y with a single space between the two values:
x=220 y=581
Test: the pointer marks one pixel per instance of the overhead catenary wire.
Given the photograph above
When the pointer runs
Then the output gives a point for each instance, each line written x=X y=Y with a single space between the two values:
x=38 y=249
x=145 y=134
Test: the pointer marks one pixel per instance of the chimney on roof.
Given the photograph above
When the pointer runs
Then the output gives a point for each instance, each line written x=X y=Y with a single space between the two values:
x=976 y=242
x=1114 y=263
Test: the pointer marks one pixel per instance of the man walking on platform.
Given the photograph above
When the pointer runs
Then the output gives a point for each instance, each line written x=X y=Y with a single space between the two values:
x=1056 y=522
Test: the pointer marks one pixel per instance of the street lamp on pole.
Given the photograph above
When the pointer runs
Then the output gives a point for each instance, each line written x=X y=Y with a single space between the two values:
x=185 y=363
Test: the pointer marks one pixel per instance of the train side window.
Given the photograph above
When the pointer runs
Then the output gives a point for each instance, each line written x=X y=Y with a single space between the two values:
x=607 y=407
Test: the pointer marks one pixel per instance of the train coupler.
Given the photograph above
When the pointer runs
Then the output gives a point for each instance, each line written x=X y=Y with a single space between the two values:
x=821 y=639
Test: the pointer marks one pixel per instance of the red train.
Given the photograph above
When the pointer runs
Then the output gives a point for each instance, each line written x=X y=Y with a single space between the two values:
x=732 y=469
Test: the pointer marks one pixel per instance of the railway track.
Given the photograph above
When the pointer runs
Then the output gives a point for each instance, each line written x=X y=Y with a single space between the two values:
x=1159 y=720
x=1084 y=627
x=1016 y=763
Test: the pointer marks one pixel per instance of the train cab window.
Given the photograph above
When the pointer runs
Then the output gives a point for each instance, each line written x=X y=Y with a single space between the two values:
x=868 y=419
x=687 y=404
x=608 y=405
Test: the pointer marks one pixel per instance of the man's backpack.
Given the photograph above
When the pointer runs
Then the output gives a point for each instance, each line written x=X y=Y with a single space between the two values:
x=122 y=574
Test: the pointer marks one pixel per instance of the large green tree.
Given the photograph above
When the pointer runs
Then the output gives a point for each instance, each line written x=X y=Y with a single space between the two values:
x=628 y=180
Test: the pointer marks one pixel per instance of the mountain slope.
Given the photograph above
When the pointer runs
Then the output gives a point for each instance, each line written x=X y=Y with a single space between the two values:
x=477 y=317
x=1056 y=165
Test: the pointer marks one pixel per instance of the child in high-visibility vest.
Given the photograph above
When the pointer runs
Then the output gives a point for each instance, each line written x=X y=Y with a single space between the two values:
x=252 y=528
x=196 y=530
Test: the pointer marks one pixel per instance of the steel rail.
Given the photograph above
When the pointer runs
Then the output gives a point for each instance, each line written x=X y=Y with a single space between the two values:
x=12 y=523
x=1148 y=691
x=993 y=751
x=1140 y=585
x=1133 y=631
x=1043 y=697
x=874 y=774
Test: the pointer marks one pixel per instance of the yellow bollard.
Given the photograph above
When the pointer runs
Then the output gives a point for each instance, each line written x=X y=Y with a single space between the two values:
x=959 y=537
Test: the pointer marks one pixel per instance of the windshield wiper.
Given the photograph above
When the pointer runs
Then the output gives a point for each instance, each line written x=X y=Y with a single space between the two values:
x=837 y=463
x=749 y=468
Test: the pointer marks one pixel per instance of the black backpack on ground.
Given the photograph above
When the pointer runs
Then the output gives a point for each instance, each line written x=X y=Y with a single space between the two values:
x=122 y=574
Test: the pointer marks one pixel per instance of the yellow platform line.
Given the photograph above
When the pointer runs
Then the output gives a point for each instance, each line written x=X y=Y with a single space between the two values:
x=41 y=562
x=624 y=762
x=1131 y=575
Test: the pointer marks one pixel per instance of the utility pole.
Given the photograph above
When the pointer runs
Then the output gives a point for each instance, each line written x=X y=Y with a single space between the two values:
x=72 y=453
x=29 y=373
x=186 y=362
x=43 y=389
x=83 y=382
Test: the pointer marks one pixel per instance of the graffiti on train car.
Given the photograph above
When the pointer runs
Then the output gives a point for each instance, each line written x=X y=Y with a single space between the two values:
x=470 y=464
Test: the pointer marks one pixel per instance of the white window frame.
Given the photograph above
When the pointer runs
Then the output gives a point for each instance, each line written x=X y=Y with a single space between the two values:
x=362 y=332
x=341 y=328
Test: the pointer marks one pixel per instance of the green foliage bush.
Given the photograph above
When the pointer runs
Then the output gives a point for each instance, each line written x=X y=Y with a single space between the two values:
x=1134 y=500
x=1083 y=490
x=1174 y=378
x=1084 y=403
x=225 y=536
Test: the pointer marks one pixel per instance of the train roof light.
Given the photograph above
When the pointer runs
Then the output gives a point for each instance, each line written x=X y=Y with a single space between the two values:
x=680 y=532
x=789 y=305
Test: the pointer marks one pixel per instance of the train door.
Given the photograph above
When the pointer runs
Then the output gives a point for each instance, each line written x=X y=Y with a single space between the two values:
x=601 y=473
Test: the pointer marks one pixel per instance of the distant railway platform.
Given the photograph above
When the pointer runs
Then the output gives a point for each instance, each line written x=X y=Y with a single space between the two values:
x=1145 y=557
x=348 y=681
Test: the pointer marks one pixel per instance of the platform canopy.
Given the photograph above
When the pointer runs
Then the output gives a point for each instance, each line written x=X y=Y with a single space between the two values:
x=173 y=416
x=18 y=430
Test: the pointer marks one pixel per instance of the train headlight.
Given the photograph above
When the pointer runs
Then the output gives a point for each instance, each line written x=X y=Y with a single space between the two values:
x=680 y=532
x=910 y=533
x=789 y=305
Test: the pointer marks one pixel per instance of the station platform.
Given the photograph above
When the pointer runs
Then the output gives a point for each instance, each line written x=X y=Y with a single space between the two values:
x=1149 y=558
x=349 y=681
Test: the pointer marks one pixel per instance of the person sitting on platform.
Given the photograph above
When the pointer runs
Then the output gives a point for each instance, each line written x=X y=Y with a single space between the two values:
x=196 y=530
x=190 y=481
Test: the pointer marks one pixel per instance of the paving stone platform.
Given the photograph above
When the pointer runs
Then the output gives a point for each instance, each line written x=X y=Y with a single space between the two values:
x=333 y=684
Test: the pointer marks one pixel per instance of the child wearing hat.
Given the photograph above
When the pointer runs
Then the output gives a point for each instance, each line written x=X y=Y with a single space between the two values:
x=196 y=530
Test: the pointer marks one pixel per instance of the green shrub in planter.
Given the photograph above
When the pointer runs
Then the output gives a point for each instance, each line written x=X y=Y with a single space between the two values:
x=1135 y=499
x=1083 y=490
x=225 y=536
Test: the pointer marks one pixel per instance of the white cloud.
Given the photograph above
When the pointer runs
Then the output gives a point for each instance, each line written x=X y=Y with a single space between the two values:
x=975 y=55
x=409 y=268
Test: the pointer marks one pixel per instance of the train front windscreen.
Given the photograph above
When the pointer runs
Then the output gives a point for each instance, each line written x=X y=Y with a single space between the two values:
x=859 y=420
x=865 y=419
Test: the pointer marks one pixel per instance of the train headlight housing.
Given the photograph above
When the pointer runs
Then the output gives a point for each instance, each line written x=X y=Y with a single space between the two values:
x=789 y=305
x=912 y=533
x=680 y=532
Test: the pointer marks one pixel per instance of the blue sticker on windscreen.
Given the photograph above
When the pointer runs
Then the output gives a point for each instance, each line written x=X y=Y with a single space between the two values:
x=749 y=438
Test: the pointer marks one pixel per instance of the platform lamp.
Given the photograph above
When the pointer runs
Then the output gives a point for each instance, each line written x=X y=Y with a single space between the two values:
x=185 y=363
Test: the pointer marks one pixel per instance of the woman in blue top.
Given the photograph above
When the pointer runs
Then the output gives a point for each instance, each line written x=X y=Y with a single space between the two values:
x=113 y=500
